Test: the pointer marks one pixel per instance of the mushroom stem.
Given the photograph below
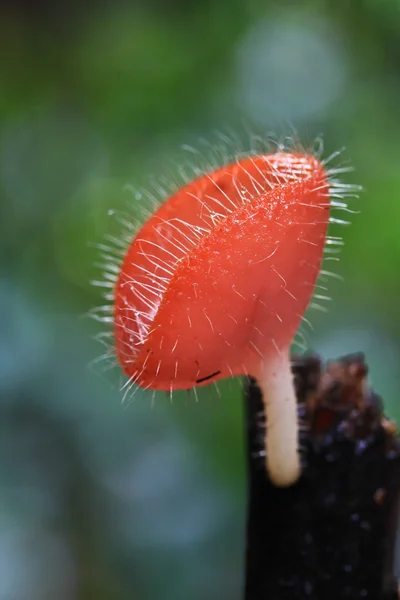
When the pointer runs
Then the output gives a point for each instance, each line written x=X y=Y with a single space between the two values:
x=281 y=433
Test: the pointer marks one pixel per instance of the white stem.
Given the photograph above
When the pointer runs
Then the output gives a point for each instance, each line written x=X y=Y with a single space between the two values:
x=281 y=434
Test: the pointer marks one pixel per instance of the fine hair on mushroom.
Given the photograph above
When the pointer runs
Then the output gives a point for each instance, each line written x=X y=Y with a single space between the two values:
x=215 y=280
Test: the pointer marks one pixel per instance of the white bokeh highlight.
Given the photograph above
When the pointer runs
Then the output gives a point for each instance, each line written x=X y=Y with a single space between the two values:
x=290 y=70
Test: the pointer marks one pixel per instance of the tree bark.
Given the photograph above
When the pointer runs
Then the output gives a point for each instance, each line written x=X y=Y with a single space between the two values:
x=332 y=534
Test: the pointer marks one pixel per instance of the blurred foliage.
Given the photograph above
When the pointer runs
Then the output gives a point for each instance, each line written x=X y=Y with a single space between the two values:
x=100 y=500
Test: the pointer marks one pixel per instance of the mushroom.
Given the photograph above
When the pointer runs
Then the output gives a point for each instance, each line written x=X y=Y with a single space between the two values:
x=216 y=282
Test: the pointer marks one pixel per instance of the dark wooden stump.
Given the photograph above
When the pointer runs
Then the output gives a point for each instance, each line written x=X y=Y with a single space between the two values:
x=332 y=535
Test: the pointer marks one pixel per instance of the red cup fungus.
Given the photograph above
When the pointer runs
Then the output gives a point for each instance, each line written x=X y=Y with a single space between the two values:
x=216 y=282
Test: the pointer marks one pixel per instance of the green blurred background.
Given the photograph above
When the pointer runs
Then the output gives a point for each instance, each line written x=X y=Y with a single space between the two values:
x=100 y=500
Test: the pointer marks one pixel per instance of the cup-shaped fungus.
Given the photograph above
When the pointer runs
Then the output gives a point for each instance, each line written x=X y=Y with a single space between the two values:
x=215 y=284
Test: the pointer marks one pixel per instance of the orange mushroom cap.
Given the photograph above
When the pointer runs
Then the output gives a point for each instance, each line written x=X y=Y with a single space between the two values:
x=220 y=275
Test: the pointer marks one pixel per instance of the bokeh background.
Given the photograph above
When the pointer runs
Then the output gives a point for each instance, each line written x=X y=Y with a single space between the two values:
x=100 y=499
